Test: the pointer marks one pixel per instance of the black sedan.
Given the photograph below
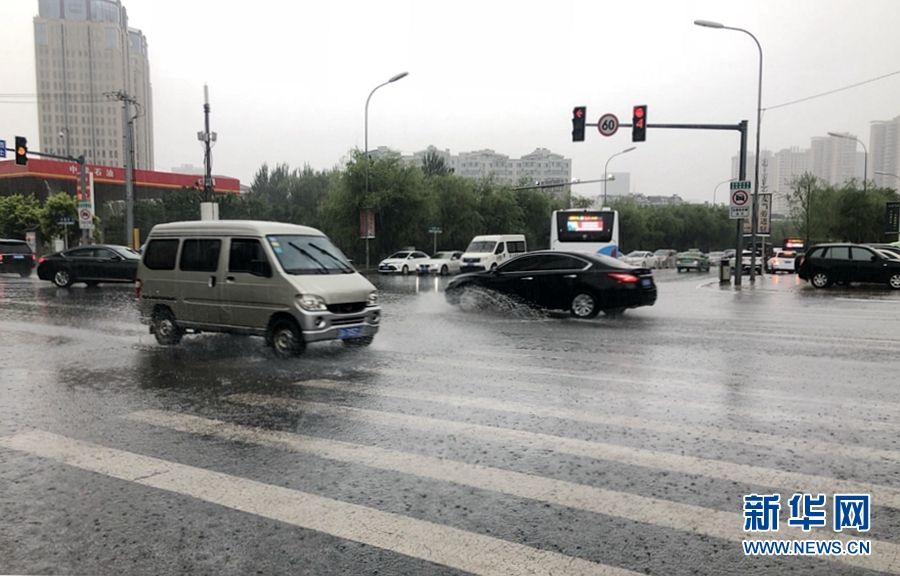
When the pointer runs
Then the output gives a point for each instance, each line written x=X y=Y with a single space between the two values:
x=581 y=282
x=90 y=264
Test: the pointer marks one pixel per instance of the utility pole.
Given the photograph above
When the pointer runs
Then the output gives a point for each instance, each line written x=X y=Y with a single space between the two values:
x=207 y=138
x=129 y=161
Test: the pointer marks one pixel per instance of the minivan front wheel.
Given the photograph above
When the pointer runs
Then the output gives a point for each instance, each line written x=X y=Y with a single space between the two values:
x=820 y=280
x=287 y=342
x=894 y=281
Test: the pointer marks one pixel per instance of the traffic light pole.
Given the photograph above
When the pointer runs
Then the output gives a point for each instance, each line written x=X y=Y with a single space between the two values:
x=742 y=128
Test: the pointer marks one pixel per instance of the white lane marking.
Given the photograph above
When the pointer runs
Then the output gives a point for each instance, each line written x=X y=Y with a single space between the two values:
x=744 y=473
x=694 y=431
x=665 y=513
x=649 y=399
x=694 y=385
x=431 y=542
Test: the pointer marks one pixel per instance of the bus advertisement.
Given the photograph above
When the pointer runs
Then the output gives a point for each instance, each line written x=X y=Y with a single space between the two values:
x=585 y=231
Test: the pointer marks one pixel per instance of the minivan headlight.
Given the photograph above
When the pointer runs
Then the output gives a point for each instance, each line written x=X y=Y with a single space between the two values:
x=372 y=299
x=311 y=302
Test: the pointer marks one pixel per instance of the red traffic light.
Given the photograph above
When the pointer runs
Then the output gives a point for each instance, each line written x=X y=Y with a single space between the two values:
x=639 y=124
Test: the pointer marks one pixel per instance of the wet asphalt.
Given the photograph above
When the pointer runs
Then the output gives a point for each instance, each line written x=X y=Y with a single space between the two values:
x=481 y=439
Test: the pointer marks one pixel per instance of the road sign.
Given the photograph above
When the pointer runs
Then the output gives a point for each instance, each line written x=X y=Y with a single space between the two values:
x=2 y=148
x=608 y=124
x=85 y=216
x=892 y=218
x=65 y=220
x=763 y=217
x=435 y=230
x=740 y=199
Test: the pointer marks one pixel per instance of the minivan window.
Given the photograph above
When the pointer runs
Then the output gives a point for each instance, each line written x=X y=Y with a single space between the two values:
x=516 y=247
x=200 y=255
x=246 y=255
x=500 y=247
x=160 y=254
x=309 y=255
x=481 y=246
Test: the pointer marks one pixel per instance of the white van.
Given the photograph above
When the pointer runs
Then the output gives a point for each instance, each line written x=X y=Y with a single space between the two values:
x=285 y=282
x=488 y=252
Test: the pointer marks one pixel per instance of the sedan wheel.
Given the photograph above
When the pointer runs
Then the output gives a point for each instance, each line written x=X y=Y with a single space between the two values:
x=584 y=305
x=820 y=280
x=405 y=270
x=444 y=270
x=63 y=278
x=894 y=281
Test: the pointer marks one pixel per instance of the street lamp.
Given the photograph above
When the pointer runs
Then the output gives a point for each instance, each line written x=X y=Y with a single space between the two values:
x=68 y=147
x=887 y=174
x=606 y=171
x=865 y=158
x=717 y=187
x=753 y=214
x=393 y=79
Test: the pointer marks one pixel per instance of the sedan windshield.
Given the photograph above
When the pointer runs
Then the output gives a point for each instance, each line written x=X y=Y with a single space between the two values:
x=309 y=255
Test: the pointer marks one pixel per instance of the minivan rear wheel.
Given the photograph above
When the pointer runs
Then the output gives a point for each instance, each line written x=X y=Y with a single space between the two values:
x=287 y=342
x=166 y=330
x=820 y=280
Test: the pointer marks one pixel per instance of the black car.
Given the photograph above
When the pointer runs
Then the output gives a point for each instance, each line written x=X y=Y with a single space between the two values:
x=16 y=257
x=581 y=282
x=90 y=264
x=827 y=264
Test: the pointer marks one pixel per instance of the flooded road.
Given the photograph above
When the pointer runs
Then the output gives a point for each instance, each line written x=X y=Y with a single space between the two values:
x=474 y=440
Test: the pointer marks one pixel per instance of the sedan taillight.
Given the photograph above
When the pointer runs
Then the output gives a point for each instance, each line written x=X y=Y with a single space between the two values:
x=41 y=261
x=622 y=278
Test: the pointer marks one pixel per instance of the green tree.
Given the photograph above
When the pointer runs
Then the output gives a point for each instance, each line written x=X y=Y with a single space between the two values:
x=433 y=164
x=859 y=213
x=806 y=203
x=59 y=206
x=18 y=214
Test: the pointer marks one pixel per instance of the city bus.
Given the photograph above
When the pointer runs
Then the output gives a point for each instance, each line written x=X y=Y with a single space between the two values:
x=585 y=231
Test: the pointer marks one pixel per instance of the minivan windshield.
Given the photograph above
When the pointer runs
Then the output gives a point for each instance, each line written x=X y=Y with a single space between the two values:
x=308 y=255
x=481 y=246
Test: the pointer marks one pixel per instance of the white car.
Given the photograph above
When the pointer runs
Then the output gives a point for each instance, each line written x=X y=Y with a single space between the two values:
x=782 y=261
x=403 y=262
x=641 y=258
x=442 y=263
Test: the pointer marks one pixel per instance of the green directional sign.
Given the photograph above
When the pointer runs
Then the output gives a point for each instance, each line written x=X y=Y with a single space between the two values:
x=740 y=185
x=435 y=230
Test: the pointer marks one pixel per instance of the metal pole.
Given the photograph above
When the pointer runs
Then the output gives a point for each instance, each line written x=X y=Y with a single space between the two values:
x=207 y=179
x=84 y=232
x=739 y=243
x=129 y=176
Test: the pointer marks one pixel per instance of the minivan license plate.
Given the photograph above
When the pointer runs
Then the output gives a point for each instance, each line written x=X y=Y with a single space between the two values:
x=351 y=332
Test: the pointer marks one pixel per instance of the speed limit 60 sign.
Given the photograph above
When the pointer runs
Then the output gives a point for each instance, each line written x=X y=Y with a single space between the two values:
x=608 y=124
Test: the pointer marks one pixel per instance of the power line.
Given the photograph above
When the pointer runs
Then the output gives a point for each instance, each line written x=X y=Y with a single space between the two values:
x=833 y=91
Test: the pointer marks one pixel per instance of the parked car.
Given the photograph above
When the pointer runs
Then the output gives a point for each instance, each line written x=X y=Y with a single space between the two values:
x=442 y=263
x=666 y=258
x=692 y=260
x=90 y=264
x=581 y=282
x=827 y=264
x=747 y=262
x=892 y=249
x=716 y=257
x=641 y=259
x=16 y=257
x=782 y=261
x=404 y=262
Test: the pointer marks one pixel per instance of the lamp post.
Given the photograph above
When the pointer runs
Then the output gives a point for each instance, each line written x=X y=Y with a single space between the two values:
x=606 y=175
x=865 y=158
x=393 y=79
x=755 y=209
x=68 y=147
x=717 y=187
x=887 y=174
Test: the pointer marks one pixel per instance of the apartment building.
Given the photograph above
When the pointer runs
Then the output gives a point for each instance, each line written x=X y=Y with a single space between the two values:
x=85 y=53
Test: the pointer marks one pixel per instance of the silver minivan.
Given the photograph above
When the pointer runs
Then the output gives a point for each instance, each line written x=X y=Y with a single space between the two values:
x=285 y=282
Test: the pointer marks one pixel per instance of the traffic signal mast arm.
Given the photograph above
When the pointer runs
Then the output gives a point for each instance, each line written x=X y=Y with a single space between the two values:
x=685 y=126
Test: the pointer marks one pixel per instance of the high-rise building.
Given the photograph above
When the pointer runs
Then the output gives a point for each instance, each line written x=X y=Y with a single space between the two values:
x=884 y=150
x=85 y=53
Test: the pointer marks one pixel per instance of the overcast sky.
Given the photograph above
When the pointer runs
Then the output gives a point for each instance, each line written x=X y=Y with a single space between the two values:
x=289 y=79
